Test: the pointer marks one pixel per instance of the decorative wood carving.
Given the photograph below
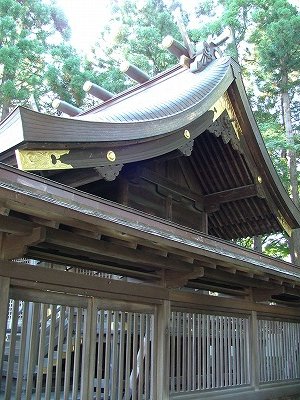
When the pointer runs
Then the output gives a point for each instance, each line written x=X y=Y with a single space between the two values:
x=187 y=148
x=222 y=127
x=109 y=172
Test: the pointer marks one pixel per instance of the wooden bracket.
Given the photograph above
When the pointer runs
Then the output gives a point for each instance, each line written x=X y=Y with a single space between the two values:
x=15 y=246
x=187 y=148
x=266 y=294
x=175 y=279
x=109 y=172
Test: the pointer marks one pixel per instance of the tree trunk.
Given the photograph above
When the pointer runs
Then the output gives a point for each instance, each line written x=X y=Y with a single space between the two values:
x=292 y=161
x=5 y=110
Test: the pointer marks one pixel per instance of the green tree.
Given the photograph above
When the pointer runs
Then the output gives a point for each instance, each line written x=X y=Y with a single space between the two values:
x=276 y=39
x=26 y=28
x=135 y=32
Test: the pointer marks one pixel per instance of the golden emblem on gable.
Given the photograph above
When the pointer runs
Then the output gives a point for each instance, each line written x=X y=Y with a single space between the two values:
x=33 y=160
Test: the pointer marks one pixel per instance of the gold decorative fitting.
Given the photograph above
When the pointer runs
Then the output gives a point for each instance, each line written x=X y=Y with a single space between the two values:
x=39 y=160
x=187 y=134
x=111 y=156
x=259 y=179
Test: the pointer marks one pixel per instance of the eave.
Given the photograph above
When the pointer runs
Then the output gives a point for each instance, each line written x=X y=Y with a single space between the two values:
x=44 y=220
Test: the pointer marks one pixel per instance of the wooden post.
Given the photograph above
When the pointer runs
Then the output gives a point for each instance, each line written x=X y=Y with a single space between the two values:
x=162 y=347
x=4 y=300
x=254 y=351
x=88 y=356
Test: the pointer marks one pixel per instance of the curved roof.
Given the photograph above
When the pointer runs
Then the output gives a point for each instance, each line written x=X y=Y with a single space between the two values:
x=151 y=120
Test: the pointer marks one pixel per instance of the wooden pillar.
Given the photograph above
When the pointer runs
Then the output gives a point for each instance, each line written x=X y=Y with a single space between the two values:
x=254 y=351
x=4 y=300
x=88 y=355
x=163 y=313
x=204 y=222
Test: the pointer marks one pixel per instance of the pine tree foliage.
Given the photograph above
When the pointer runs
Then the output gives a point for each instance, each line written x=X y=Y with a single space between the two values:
x=135 y=32
x=26 y=28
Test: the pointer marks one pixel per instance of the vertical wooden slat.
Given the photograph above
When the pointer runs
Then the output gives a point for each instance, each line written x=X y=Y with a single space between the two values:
x=184 y=353
x=208 y=341
x=20 y=373
x=226 y=352
x=237 y=350
x=262 y=352
x=218 y=354
x=69 y=344
x=178 y=352
x=41 y=352
x=154 y=355
x=213 y=351
x=204 y=353
x=76 y=363
x=100 y=340
x=222 y=334
x=128 y=356
x=121 y=357
x=52 y=330
x=189 y=353
x=234 y=351
x=4 y=301
x=107 y=355
x=59 y=353
x=292 y=347
x=243 y=350
x=199 y=364
x=133 y=376
x=34 y=331
x=194 y=352
x=114 y=359
x=247 y=351
x=12 y=347
x=281 y=351
x=298 y=349
x=173 y=352
x=141 y=357
x=147 y=358
x=229 y=351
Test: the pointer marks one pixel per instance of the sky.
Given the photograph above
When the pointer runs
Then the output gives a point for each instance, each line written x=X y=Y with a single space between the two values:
x=88 y=17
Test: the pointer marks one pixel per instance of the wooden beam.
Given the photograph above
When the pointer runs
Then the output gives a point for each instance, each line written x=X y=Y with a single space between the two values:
x=91 y=265
x=236 y=279
x=213 y=201
x=15 y=226
x=71 y=241
x=266 y=294
x=219 y=289
x=13 y=246
x=61 y=279
x=174 y=279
